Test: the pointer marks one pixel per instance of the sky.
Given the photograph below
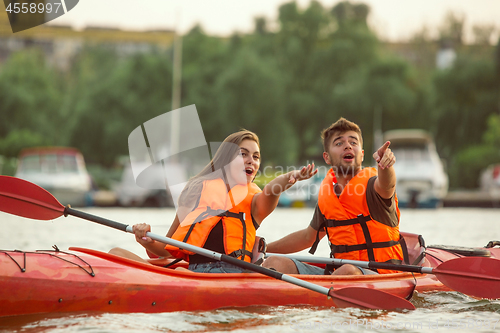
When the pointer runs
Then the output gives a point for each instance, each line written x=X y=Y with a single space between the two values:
x=393 y=20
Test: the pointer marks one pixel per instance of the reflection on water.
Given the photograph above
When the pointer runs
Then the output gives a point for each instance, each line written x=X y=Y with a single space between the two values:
x=440 y=311
x=444 y=311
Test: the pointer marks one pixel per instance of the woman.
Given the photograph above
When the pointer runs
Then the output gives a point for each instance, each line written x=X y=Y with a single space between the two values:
x=220 y=208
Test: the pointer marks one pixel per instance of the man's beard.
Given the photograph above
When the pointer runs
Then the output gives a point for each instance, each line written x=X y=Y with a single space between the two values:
x=345 y=170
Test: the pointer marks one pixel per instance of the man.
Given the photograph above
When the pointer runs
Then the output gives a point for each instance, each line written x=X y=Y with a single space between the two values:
x=357 y=208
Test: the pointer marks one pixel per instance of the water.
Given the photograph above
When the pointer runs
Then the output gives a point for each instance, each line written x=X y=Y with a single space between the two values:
x=444 y=311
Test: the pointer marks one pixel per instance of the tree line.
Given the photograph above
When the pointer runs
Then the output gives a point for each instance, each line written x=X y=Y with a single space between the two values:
x=286 y=84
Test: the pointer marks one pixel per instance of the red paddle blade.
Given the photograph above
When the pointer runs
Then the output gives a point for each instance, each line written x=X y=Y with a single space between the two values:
x=22 y=198
x=474 y=276
x=366 y=298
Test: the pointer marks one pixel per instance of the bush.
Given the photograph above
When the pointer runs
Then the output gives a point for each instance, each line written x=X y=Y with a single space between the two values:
x=469 y=163
x=16 y=140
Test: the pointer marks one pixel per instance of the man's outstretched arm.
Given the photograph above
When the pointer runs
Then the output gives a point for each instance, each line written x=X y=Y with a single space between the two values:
x=295 y=242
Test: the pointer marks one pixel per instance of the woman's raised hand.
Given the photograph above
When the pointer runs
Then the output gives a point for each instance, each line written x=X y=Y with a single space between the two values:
x=305 y=172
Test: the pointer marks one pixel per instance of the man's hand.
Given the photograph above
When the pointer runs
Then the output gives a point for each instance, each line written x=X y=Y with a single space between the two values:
x=384 y=156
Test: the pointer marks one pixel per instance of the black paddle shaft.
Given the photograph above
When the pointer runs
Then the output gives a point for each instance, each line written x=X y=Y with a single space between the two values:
x=251 y=267
x=96 y=219
x=364 y=264
x=396 y=267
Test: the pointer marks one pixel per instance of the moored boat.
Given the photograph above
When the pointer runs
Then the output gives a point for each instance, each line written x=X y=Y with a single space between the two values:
x=84 y=280
x=422 y=181
x=59 y=170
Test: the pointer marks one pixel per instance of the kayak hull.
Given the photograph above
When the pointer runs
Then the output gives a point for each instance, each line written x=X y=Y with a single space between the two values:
x=83 y=280
x=119 y=285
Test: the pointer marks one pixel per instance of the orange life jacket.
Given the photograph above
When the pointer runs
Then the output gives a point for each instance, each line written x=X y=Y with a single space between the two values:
x=353 y=234
x=234 y=208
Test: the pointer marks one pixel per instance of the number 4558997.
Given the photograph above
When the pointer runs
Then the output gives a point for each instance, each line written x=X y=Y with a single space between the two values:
x=32 y=8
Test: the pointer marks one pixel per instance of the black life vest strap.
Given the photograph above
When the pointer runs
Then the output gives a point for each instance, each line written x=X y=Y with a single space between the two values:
x=394 y=261
x=209 y=212
x=240 y=215
x=340 y=223
x=173 y=262
x=421 y=256
x=241 y=253
x=369 y=245
x=404 y=247
x=359 y=247
x=244 y=252
x=368 y=238
x=316 y=242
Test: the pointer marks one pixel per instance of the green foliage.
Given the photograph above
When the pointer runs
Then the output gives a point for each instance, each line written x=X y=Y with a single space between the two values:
x=16 y=140
x=497 y=60
x=204 y=59
x=492 y=135
x=8 y=165
x=468 y=164
x=465 y=97
x=108 y=108
x=30 y=96
x=104 y=178
x=387 y=86
x=471 y=161
x=452 y=29
x=252 y=95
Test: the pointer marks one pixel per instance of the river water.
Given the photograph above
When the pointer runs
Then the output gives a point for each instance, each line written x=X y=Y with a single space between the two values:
x=444 y=311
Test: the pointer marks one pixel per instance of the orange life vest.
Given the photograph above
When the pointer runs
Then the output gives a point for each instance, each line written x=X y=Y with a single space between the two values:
x=234 y=208
x=353 y=234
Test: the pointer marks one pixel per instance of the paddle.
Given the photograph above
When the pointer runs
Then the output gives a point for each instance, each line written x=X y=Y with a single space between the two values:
x=474 y=276
x=26 y=199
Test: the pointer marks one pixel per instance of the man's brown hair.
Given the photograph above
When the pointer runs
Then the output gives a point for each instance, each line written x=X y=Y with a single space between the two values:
x=340 y=126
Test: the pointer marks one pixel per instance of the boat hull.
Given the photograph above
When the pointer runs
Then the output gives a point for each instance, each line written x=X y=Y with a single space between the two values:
x=120 y=285
x=62 y=282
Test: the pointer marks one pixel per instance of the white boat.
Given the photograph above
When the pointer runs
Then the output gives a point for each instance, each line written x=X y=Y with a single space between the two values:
x=490 y=181
x=150 y=189
x=421 y=178
x=59 y=170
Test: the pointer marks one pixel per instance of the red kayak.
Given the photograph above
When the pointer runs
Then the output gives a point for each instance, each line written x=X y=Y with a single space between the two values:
x=83 y=280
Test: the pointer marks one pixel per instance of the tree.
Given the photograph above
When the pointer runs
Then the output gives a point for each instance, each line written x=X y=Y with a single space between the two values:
x=472 y=160
x=205 y=59
x=137 y=90
x=483 y=33
x=452 y=29
x=30 y=97
x=251 y=95
x=388 y=87
x=497 y=61
x=465 y=96
x=492 y=135
x=19 y=139
x=315 y=53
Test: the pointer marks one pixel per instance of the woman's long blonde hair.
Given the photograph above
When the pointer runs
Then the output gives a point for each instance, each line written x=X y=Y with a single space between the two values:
x=226 y=153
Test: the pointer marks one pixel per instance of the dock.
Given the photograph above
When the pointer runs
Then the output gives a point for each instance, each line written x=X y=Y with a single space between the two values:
x=472 y=198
